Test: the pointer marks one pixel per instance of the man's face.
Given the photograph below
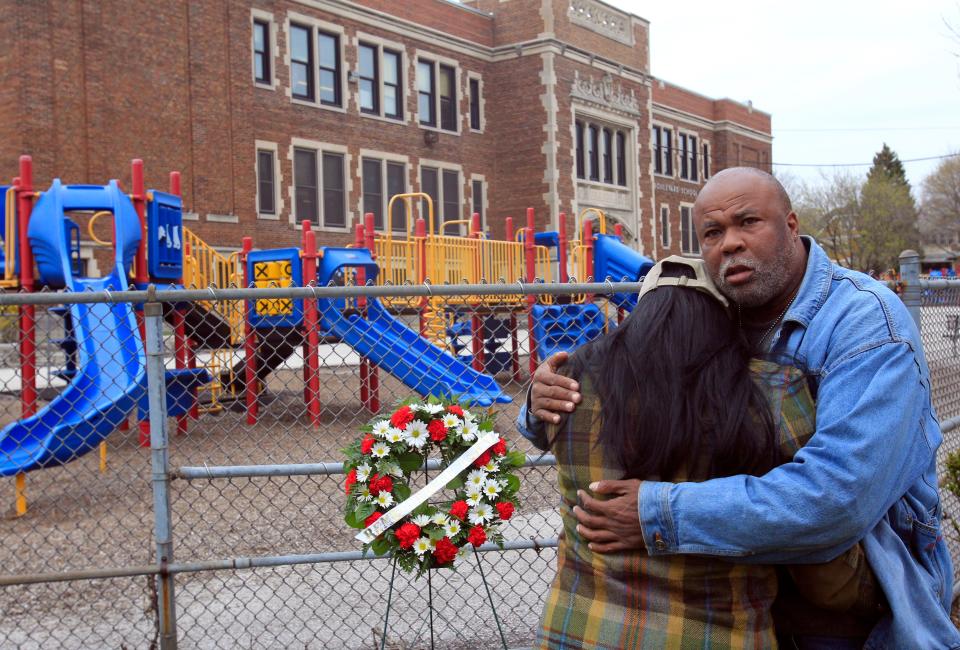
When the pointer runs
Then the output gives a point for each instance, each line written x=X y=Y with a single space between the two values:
x=747 y=240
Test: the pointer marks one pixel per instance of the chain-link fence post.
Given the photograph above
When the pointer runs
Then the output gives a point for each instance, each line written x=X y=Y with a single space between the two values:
x=159 y=456
x=910 y=276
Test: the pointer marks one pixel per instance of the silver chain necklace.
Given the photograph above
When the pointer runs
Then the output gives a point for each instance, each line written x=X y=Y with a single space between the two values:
x=773 y=324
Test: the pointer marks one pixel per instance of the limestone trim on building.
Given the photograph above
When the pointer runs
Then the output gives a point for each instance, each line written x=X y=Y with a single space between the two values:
x=548 y=99
x=602 y=19
x=353 y=77
x=602 y=91
x=264 y=145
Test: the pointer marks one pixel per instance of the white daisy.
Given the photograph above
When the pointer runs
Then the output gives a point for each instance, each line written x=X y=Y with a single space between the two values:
x=384 y=499
x=416 y=434
x=394 y=435
x=452 y=529
x=477 y=478
x=469 y=432
x=439 y=519
x=363 y=494
x=450 y=421
x=492 y=466
x=491 y=488
x=422 y=545
x=363 y=473
x=380 y=428
x=421 y=520
x=380 y=449
x=474 y=499
x=391 y=468
x=481 y=513
x=433 y=409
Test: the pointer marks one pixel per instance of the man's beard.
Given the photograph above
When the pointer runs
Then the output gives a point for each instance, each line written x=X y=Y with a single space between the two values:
x=770 y=278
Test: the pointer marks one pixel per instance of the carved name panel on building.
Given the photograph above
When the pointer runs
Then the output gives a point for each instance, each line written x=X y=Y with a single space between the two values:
x=603 y=20
x=602 y=91
x=676 y=189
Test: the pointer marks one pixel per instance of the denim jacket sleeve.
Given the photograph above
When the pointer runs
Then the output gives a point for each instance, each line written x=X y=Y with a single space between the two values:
x=531 y=428
x=870 y=446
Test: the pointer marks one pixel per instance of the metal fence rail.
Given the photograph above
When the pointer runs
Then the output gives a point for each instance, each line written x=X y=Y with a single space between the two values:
x=216 y=522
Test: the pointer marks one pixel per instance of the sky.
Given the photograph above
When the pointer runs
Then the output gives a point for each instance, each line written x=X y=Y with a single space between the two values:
x=839 y=77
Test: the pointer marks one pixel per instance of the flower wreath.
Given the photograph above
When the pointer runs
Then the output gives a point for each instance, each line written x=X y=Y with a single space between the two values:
x=379 y=468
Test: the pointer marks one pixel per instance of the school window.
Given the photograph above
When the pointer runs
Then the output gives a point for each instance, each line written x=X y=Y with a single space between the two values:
x=310 y=186
x=437 y=94
x=621 y=159
x=593 y=153
x=392 y=90
x=476 y=190
x=662 y=151
x=329 y=47
x=665 y=226
x=377 y=175
x=682 y=143
x=689 y=244
x=607 y=156
x=301 y=63
x=261 y=52
x=601 y=153
x=443 y=187
x=369 y=79
x=379 y=81
x=475 y=104
x=706 y=161
x=426 y=93
x=688 y=156
x=448 y=98
x=266 y=183
x=581 y=166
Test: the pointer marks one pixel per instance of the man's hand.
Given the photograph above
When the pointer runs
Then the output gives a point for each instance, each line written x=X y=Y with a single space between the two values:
x=611 y=525
x=552 y=394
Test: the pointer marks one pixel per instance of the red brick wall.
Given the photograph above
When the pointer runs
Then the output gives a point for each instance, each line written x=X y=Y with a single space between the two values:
x=444 y=16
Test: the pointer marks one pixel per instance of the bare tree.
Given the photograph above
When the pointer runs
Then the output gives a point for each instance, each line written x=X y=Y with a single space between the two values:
x=940 y=200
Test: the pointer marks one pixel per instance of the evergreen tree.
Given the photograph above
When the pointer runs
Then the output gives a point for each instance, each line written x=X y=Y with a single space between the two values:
x=887 y=166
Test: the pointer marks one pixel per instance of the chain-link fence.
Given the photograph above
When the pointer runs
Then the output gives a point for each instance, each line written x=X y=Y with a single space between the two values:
x=187 y=485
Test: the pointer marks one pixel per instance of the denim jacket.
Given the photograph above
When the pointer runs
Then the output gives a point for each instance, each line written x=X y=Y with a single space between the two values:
x=868 y=473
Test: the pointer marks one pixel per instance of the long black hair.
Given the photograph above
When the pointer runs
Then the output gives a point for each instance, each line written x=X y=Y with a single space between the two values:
x=676 y=390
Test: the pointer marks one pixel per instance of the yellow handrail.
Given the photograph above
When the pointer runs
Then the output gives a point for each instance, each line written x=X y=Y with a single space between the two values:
x=580 y=218
x=408 y=200
x=97 y=240
x=10 y=236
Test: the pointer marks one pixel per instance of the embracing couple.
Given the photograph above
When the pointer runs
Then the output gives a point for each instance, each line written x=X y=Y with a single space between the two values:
x=749 y=459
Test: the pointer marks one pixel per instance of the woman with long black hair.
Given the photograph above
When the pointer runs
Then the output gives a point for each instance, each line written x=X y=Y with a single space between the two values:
x=672 y=394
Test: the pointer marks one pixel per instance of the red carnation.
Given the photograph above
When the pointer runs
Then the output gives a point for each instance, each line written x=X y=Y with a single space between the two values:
x=459 y=509
x=380 y=484
x=477 y=535
x=401 y=417
x=351 y=480
x=445 y=551
x=372 y=518
x=456 y=410
x=366 y=444
x=500 y=448
x=438 y=432
x=504 y=509
x=407 y=534
x=483 y=460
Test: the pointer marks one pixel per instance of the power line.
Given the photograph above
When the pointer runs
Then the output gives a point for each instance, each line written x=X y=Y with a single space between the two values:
x=866 y=164
x=840 y=129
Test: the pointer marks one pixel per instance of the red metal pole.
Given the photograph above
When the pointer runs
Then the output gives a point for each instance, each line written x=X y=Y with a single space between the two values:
x=373 y=374
x=587 y=240
x=531 y=263
x=139 y=203
x=618 y=230
x=28 y=314
x=249 y=341
x=311 y=323
x=562 y=248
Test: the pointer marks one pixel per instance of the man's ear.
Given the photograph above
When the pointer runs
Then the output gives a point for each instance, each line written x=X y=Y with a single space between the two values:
x=793 y=223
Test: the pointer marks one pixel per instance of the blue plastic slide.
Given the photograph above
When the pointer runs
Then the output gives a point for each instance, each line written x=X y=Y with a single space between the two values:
x=403 y=353
x=111 y=364
x=615 y=260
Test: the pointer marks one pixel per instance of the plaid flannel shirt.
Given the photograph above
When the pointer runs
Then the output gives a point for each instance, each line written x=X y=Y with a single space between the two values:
x=633 y=600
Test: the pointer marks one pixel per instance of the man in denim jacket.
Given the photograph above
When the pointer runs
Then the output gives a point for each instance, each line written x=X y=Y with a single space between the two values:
x=868 y=473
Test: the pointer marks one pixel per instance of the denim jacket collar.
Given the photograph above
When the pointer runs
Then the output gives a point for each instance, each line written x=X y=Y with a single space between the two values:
x=815 y=286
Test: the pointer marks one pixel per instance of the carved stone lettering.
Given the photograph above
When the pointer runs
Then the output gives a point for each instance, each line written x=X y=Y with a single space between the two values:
x=603 y=20
x=604 y=91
